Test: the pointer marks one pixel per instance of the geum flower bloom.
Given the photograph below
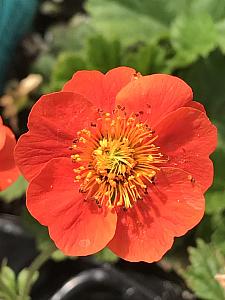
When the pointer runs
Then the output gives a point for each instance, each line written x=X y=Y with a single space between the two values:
x=8 y=170
x=118 y=160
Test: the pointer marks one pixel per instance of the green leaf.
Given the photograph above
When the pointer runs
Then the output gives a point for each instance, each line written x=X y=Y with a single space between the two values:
x=146 y=59
x=221 y=35
x=148 y=20
x=22 y=279
x=206 y=262
x=129 y=21
x=192 y=36
x=15 y=191
x=75 y=35
x=206 y=77
x=217 y=238
x=102 y=54
x=106 y=255
x=7 y=283
x=215 y=8
x=215 y=201
x=4 y=296
x=8 y=277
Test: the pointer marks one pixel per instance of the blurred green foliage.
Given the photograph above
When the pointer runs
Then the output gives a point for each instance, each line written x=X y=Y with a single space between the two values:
x=12 y=285
x=106 y=255
x=180 y=37
x=15 y=191
x=206 y=261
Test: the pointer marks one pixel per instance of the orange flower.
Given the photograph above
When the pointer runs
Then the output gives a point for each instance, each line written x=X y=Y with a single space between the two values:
x=8 y=171
x=118 y=160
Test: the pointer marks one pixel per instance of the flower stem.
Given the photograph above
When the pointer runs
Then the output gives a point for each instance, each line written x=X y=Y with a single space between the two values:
x=35 y=266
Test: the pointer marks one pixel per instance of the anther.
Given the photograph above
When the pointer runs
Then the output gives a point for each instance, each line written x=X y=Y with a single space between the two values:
x=150 y=157
x=191 y=178
x=118 y=158
x=82 y=140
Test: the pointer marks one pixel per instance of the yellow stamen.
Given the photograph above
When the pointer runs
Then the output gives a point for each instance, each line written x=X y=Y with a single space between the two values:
x=117 y=159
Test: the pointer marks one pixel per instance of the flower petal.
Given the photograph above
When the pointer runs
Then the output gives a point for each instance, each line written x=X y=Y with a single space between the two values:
x=53 y=123
x=77 y=227
x=50 y=111
x=8 y=170
x=173 y=206
x=188 y=138
x=196 y=105
x=155 y=96
x=2 y=135
x=98 y=88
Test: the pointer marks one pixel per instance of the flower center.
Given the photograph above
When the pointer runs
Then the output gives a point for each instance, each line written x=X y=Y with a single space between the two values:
x=116 y=159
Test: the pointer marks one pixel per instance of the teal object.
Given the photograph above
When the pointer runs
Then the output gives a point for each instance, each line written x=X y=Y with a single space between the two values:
x=16 y=18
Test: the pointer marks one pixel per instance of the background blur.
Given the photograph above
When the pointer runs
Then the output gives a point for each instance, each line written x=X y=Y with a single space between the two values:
x=42 y=43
